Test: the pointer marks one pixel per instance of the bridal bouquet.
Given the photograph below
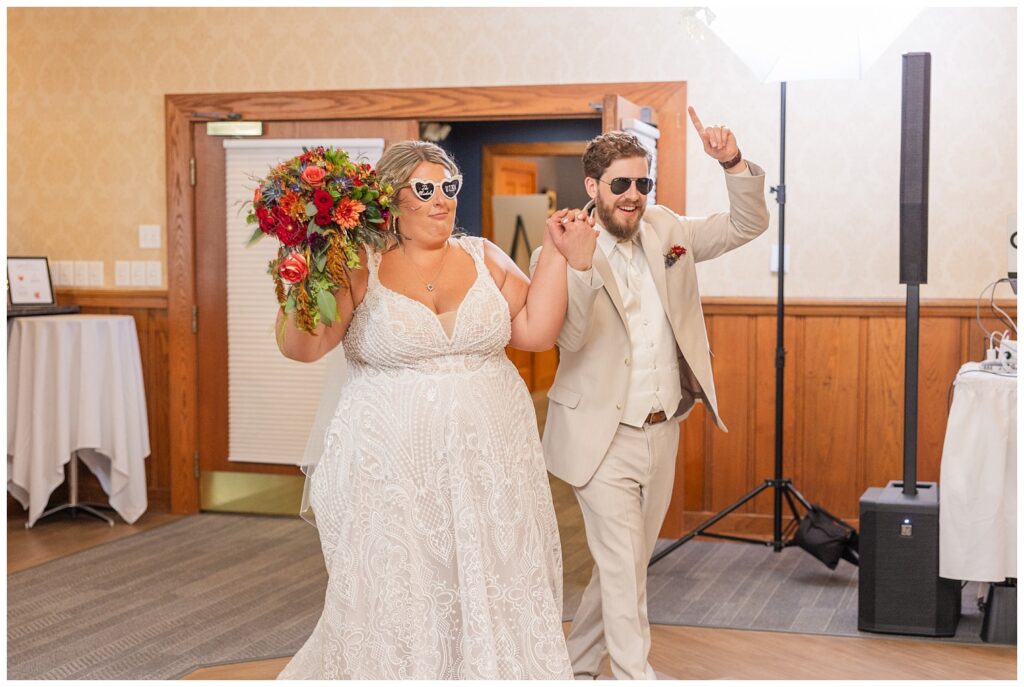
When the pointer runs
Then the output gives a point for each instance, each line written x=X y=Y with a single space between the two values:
x=322 y=207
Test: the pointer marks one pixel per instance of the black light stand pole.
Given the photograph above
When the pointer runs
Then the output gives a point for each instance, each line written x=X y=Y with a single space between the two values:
x=780 y=342
x=781 y=485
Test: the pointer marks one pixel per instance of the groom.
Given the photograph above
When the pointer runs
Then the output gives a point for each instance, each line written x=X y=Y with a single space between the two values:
x=634 y=359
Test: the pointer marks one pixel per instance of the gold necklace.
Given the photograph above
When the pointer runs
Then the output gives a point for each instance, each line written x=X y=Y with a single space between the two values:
x=429 y=284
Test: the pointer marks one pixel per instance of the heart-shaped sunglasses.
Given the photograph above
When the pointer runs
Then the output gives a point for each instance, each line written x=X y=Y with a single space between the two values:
x=424 y=189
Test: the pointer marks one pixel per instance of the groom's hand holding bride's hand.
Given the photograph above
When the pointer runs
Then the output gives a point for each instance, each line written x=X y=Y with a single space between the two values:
x=574 y=235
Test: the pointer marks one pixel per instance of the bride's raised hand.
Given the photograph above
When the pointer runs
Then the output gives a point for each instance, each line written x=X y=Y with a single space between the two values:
x=575 y=237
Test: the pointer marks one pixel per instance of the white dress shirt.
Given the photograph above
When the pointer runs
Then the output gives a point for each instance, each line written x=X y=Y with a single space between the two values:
x=653 y=362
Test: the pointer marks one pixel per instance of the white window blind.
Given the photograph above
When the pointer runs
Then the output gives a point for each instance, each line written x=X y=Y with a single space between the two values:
x=272 y=401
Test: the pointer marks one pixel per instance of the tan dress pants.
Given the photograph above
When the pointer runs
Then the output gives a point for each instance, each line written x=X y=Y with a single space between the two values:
x=623 y=507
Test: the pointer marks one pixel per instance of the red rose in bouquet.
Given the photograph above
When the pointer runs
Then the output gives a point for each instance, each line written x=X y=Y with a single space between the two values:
x=323 y=200
x=322 y=207
x=314 y=176
x=294 y=268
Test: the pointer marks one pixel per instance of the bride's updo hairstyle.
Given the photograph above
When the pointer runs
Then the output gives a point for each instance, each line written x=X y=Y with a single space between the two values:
x=396 y=165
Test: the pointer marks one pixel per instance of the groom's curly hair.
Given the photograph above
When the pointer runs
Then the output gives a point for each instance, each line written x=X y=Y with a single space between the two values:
x=609 y=147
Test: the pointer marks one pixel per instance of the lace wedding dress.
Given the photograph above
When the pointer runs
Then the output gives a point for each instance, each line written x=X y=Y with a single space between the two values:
x=432 y=503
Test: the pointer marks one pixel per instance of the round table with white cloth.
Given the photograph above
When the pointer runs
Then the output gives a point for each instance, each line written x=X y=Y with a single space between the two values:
x=978 y=478
x=74 y=384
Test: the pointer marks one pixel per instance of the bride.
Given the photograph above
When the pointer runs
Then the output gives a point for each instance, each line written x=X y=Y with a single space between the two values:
x=431 y=498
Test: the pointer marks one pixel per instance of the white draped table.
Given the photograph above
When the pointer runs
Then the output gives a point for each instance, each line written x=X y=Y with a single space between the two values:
x=74 y=385
x=978 y=478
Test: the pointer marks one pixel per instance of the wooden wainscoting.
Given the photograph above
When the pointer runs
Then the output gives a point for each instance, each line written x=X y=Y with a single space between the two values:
x=149 y=308
x=843 y=403
x=843 y=420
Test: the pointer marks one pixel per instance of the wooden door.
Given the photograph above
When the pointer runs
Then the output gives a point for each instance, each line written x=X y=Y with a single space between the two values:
x=475 y=103
x=514 y=177
x=211 y=279
x=615 y=108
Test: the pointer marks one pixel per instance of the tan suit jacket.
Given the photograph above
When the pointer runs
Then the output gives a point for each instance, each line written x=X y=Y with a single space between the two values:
x=589 y=391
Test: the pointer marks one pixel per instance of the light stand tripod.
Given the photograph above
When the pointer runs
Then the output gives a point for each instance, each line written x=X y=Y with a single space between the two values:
x=781 y=485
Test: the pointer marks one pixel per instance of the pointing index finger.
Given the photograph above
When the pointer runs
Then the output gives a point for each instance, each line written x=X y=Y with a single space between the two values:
x=695 y=119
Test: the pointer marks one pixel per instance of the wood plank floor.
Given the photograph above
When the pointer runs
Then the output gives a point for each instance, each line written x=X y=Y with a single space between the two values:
x=680 y=652
x=697 y=653
x=61 y=535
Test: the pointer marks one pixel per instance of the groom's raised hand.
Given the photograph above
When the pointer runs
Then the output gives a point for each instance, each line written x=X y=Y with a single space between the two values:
x=719 y=141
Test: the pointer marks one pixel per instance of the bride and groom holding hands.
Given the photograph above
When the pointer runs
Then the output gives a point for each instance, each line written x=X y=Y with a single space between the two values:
x=432 y=498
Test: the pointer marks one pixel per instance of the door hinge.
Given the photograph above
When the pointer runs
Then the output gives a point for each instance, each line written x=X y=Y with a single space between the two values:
x=192 y=171
x=195 y=464
x=195 y=319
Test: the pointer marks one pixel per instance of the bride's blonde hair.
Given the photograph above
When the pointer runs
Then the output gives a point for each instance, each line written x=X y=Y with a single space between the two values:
x=396 y=165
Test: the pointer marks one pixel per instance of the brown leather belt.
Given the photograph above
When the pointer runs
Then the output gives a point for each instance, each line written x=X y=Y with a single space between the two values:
x=655 y=418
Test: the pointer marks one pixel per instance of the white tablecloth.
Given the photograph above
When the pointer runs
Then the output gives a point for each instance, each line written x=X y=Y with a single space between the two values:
x=978 y=478
x=74 y=383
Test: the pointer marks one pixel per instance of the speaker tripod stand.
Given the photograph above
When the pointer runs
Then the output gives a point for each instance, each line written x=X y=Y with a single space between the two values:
x=782 y=487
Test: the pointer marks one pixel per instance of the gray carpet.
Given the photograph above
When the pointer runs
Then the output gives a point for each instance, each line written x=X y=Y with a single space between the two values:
x=219 y=588
x=750 y=587
x=202 y=590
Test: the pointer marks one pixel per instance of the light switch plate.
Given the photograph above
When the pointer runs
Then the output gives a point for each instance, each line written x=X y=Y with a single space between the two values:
x=95 y=273
x=67 y=272
x=138 y=272
x=122 y=273
x=153 y=277
x=81 y=273
x=775 y=259
x=149 y=236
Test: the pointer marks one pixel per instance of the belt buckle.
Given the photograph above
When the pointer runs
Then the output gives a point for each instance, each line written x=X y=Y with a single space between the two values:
x=655 y=418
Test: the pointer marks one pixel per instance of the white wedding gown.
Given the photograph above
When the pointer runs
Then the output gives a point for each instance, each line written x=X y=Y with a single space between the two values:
x=432 y=503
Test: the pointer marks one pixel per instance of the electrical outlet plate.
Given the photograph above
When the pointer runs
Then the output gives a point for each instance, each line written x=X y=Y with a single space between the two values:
x=138 y=270
x=774 y=266
x=153 y=277
x=56 y=273
x=81 y=273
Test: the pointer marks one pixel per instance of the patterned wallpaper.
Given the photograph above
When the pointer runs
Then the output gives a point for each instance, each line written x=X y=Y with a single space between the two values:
x=85 y=121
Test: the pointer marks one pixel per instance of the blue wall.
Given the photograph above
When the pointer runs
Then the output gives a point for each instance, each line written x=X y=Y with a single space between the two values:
x=466 y=140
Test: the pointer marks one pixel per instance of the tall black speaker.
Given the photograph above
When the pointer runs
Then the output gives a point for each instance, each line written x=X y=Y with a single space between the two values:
x=917 y=74
x=899 y=587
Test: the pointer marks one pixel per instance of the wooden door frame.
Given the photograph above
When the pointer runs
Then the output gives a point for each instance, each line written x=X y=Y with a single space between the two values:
x=576 y=101
x=492 y=150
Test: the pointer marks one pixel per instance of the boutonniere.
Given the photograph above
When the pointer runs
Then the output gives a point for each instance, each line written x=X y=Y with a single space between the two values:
x=673 y=254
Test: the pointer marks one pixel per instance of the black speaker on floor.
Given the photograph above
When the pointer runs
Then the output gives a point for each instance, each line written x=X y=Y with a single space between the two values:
x=899 y=584
x=899 y=587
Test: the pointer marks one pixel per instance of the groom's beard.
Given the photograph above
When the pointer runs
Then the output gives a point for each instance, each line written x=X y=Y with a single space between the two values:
x=621 y=227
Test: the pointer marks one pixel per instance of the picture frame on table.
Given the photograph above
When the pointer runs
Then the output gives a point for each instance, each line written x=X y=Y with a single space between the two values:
x=28 y=281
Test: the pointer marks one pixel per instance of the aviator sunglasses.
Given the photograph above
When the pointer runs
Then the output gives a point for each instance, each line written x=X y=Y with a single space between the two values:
x=424 y=189
x=620 y=185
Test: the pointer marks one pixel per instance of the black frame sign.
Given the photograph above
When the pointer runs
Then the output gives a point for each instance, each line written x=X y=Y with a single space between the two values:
x=28 y=281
